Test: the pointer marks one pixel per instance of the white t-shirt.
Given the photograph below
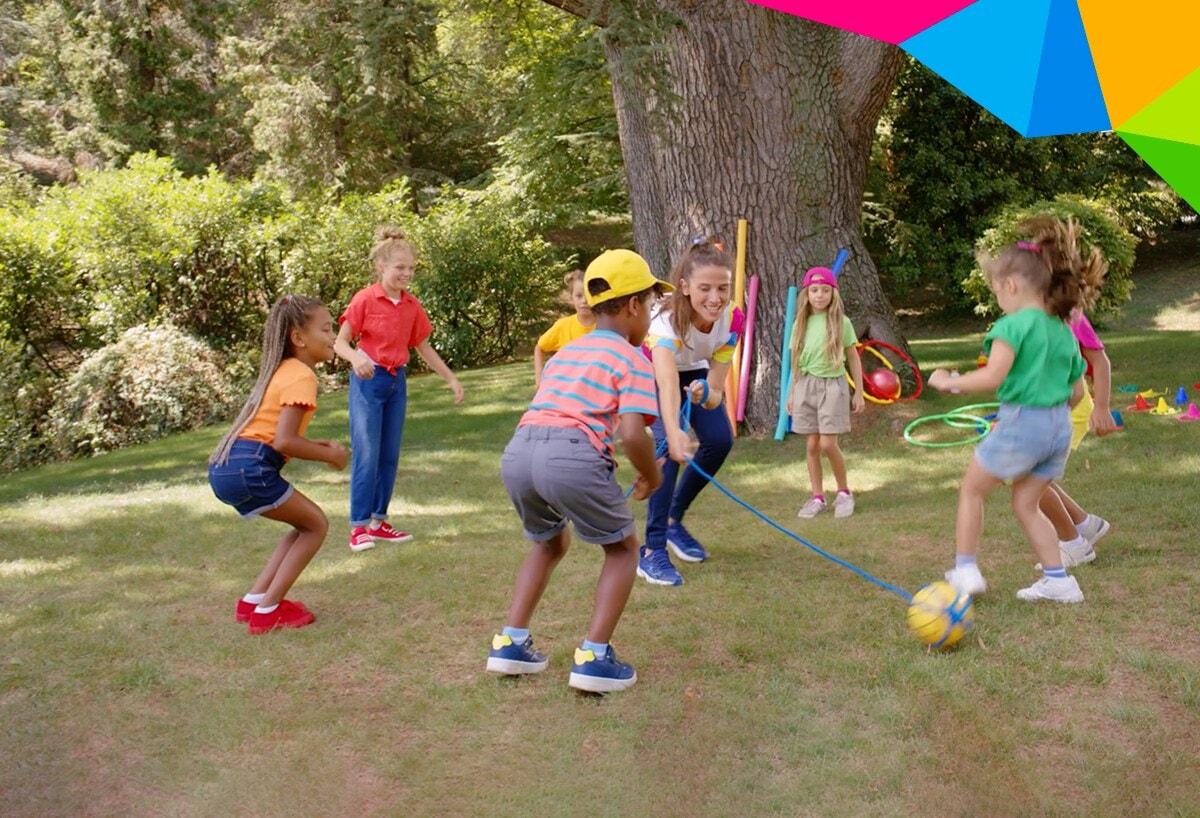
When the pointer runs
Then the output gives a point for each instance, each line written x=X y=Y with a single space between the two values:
x=702 y=348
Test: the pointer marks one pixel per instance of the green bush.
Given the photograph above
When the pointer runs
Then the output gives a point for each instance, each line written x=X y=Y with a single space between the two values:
x=1100 y=227
x=484 y=278
x=26 y=395
x=152 y=381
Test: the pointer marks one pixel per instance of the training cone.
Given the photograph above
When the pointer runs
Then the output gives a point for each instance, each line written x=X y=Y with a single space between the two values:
x=1163 y=409
x=1139 y=405
x=1192 y=413
x=1181 y=397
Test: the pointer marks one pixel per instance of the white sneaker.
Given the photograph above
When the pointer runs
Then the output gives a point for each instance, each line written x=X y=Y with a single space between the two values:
x=843 y=504
x=967 y=580
x=1076 y=555
x=811 y=509
x=1055 y=589
x=1092 y=529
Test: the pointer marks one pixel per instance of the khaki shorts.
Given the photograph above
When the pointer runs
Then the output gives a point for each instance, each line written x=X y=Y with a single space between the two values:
x=820 y=406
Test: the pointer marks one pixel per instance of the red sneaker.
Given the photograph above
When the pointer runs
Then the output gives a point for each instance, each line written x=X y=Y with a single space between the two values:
x=287 y=615
x=385 y=533
x=244 y=609
x=360 y=540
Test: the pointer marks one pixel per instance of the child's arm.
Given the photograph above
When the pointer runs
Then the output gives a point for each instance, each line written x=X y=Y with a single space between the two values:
x=1102 y=420
x=539 y=363
x=854 y=364
x=666 y=377
x=290 y=443
x=362 y=365
x=987 y=379
x=434 y=361
x=639 y=448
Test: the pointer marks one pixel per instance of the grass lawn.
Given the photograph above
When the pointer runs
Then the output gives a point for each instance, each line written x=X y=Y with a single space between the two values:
x=774 y=682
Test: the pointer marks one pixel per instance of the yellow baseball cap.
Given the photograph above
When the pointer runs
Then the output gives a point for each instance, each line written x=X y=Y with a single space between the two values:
x=624 y=271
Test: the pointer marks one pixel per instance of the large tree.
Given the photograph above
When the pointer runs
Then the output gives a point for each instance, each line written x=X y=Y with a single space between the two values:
x=728 y=110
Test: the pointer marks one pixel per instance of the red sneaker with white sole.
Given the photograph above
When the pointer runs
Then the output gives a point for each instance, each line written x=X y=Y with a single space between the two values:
x=385 y=533
x=244 y=609
x=287 y=615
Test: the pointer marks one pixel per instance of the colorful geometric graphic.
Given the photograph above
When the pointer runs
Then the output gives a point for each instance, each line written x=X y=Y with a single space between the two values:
x=1048 y=67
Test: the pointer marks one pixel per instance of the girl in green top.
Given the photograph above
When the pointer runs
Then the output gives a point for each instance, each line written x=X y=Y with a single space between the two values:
x=1036 y=369
x=820 y=402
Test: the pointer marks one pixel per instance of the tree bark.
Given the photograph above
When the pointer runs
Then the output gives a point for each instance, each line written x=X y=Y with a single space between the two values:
x=774 y=121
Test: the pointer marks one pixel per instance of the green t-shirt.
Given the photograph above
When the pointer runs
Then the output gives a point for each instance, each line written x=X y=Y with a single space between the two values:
x=812 y=356
x=1046 y=358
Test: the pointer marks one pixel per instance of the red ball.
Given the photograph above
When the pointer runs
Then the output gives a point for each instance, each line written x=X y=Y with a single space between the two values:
x=883 y=384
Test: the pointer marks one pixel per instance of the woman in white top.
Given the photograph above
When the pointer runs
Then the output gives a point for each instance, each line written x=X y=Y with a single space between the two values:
x=691 y=344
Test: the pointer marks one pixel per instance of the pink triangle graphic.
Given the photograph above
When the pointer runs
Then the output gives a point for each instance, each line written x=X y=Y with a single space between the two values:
x=891 y=20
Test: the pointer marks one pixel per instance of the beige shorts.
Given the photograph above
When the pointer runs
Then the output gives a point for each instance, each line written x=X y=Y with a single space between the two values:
x=820 y=406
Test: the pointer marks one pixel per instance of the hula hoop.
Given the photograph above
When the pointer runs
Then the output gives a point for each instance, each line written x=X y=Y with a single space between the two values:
x=869 y=346
x=956 y=418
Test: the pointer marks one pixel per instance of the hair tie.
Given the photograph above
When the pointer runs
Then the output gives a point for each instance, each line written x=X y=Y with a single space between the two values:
x=697 y=240
x=1030 y=246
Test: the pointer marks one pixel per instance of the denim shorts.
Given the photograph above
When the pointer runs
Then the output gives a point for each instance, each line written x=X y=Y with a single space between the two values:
x=249 y=480
x=554 y=475
x=1027 y=440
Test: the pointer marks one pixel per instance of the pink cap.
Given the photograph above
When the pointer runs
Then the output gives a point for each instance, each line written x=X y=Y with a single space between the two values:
x=820 y=275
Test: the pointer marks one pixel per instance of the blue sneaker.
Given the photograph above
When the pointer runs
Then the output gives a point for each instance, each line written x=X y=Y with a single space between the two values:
x=684 y=544
x=655 y=567
x=513 y=659
x=605 y=675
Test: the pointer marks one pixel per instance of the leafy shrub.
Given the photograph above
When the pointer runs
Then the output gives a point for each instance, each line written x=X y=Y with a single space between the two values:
x=484 y=278
x=26 y=394
x=152 y=381
x=1100 y=228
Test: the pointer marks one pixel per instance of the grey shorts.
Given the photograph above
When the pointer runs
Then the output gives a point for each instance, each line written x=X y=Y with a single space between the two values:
x=556 y=475
x=820 y=405
x=1027 y=440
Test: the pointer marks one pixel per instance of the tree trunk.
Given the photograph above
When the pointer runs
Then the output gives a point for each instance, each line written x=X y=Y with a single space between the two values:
x=774 y=123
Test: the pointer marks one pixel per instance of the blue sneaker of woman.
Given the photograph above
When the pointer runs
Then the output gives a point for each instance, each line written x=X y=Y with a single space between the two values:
x=684 y=544
x=655 y=567
x=603 y=675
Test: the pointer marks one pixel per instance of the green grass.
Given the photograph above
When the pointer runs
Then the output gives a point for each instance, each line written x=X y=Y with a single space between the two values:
x=772 y=683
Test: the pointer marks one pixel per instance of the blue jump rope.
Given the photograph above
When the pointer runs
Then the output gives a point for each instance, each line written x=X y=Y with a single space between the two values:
x=685 y=421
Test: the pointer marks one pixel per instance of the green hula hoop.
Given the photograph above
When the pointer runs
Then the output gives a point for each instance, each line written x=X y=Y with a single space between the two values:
x=959 y=418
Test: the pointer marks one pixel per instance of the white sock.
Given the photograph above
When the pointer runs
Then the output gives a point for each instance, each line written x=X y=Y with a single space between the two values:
x=375 y=524
x=265 y=609
x=1072 y=545
x=1086 y=524
x=254 y=599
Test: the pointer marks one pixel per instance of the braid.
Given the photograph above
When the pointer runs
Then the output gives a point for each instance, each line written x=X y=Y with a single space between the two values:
x=288 y=313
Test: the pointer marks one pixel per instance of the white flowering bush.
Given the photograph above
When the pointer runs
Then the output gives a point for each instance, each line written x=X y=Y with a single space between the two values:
x=152 y=381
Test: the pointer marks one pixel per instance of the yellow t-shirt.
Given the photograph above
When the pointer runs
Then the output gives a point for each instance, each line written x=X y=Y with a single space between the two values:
x=293 y=384
x=564 y=331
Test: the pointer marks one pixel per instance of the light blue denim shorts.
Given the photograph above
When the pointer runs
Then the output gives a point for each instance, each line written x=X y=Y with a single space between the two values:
x=1027 y=440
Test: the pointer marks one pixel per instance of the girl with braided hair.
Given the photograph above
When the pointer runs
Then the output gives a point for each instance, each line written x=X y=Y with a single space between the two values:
x=244 y=470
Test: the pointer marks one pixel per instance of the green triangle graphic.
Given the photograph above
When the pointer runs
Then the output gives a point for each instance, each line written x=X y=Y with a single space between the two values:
x=1178 y=163
x=1174 y=115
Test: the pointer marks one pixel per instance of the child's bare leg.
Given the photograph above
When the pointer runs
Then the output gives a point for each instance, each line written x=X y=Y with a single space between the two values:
x=977 y=484
x=1078 y=515
x=1052 y=506
x=1026 y=494
x=813 y=456
x=311 y=526
x=612 y=589
x=268 y=572
x=533 y=575
x=837 y=463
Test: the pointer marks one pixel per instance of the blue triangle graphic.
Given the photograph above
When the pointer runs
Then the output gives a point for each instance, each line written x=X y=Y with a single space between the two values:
x=990 y=51
x=1067 y=98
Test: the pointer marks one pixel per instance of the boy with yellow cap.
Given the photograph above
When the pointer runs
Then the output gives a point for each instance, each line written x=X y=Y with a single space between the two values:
x=560 y=466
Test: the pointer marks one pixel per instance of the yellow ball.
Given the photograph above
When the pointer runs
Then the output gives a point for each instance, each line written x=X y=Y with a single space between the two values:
x=939 y=615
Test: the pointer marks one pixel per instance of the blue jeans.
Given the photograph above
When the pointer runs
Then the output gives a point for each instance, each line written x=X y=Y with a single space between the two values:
x=671 y=501
x=377 y=407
